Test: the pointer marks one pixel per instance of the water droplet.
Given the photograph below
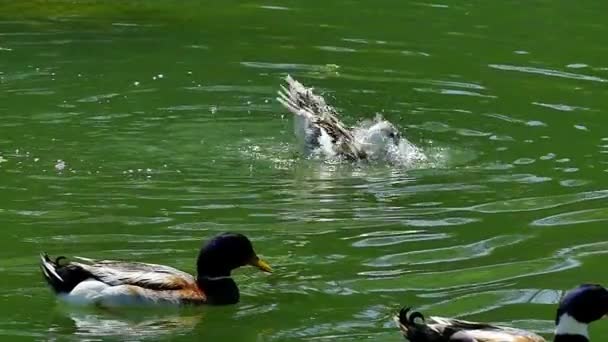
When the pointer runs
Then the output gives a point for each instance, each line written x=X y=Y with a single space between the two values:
x=535 y=123
x=524 y=161
x=60 y=165
x=548 y=156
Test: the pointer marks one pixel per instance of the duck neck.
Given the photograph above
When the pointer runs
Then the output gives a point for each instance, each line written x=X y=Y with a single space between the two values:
x=570 y=330
x=570 y=338
x=213 y=278
x=219 y=290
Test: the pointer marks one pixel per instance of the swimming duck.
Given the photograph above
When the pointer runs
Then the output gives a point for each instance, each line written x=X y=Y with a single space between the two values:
x=319 y=128
x=115 y=283
x=581 y=306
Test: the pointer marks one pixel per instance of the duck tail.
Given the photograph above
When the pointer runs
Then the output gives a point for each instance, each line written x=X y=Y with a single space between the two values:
x=415 y=331
x=301 y=101
x=49 y=271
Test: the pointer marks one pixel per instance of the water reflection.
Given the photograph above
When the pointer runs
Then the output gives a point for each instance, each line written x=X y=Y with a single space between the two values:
x=129 y=324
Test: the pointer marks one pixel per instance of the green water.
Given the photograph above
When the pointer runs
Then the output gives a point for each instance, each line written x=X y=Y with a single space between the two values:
x=164 y=115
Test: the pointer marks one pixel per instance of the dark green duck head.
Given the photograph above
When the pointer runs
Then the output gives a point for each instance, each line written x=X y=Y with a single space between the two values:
x=216 y=260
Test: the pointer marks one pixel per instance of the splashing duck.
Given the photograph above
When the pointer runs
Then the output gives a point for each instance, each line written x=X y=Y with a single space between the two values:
x=111 y=283
x=320 y=130
x=580 y=307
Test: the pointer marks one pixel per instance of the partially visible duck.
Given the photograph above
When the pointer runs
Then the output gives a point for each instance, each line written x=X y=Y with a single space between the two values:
x=116 y=283
x=580 y=307
x=320 y=130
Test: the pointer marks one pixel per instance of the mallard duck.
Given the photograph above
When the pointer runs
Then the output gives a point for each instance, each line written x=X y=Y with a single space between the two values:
x=580 y=307
x=320 y=130
x=116 y=283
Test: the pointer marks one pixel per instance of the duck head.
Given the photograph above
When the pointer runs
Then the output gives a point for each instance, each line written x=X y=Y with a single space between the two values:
x=226 y=252
x=580 y=307
x=378 y=138
x=382 y=131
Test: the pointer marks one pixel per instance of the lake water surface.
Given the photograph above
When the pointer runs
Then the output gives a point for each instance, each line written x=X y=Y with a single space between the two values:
x=139 y=130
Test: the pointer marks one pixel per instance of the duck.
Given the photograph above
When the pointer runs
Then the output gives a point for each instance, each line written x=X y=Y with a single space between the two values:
x=320 y=130
x=577 y=309
x=110 y=283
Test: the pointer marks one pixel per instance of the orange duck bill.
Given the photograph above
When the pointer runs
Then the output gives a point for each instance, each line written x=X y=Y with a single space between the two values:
x=261 y=264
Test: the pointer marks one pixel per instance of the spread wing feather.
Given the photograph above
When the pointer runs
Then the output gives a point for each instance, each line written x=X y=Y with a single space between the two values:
x=301 y=101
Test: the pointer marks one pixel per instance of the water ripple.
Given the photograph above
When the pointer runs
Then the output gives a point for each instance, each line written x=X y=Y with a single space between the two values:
x=480 y=302
x=538 y=203
x=547 y=72
x=394 y=238
x=92 y=238
x=447 y=254
x=465 y=277
x=440 y=222
x=393 y=78
x=574 y=217
x=560 y=107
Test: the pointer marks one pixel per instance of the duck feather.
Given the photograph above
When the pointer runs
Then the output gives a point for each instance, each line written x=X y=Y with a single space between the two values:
x=144 y=275
x=319 y=118
x=115 y=283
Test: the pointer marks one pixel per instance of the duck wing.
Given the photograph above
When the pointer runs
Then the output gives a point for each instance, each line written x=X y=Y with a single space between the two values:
x=64 y=276
x=148 y=276
x=440 y=329
x=321 y=117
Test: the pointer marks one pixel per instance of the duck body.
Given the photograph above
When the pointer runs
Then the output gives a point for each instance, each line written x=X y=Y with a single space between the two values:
x=579 y=308
x=112 y=283
x=440 y=329
x=320 y=130
x=116 y=283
